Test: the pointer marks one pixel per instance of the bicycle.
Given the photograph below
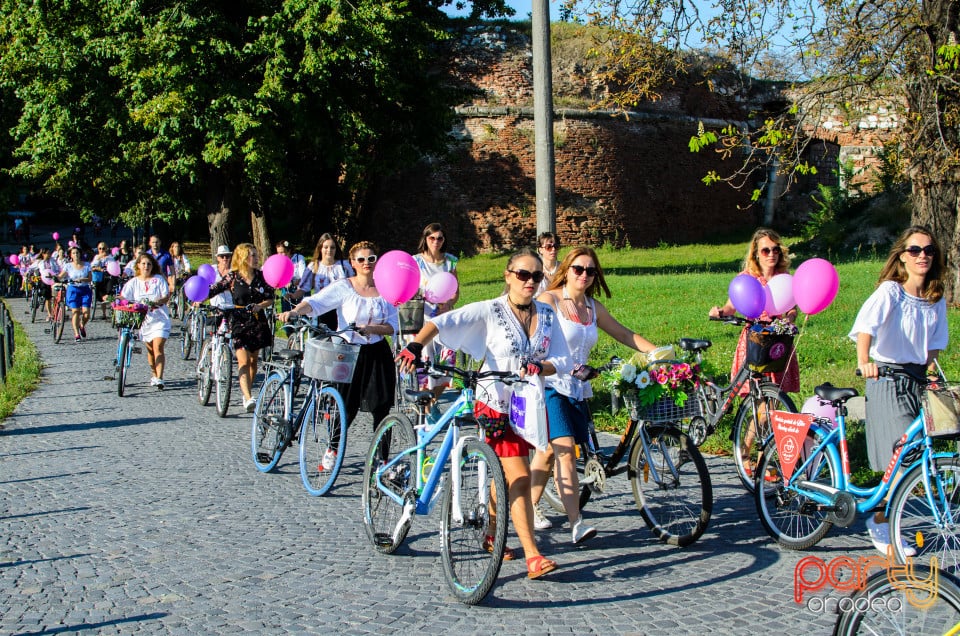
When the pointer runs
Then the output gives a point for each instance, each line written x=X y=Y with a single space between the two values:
x=320 y=423
x=192 y=332
x=215 y=361
x=178 y=300
x=751 y=424
x=401 y=478
x=926 y=601
x=36 y=297
x=127 y=317
x=58 y=311
x=924 y=504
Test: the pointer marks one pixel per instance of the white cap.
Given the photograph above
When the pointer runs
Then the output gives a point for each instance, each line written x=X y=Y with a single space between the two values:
x=223 y=250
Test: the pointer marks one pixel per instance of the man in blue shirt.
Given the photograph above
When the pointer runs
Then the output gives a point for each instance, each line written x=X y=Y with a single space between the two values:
x=164 y=260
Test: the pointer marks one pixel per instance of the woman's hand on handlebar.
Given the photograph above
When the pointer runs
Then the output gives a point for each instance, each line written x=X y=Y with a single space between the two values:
x=868 y=370
x=409 y=356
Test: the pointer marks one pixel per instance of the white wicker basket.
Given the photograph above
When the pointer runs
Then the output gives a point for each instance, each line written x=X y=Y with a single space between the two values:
x=330 y=361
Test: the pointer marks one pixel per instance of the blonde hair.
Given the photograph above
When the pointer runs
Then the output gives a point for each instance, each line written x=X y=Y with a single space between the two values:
x=239 y=261
x=362 y=245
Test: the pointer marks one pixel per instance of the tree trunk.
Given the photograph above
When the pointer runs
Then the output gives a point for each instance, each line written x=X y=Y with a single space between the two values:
x=261 y=235
x=935 y=205
x=219 y=197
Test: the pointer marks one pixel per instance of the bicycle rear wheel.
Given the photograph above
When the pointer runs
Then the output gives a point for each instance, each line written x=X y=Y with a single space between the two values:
x=59 y=320
x=752 y=428
x=122 y=364
x=911 y=514
x=35 y=302
x=671 y=485
x=204 y=373
x=186 y=340
x=470 y=568
x=224 y=376
x=324 y=430
x=928 y=602
x=793 y=519
x=381 y=514
x=268 y=437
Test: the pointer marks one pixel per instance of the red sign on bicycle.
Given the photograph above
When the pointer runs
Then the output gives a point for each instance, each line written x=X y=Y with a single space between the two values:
x=789 y=431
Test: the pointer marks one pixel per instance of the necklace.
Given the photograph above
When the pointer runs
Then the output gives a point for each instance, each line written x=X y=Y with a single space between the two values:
x=524 y=314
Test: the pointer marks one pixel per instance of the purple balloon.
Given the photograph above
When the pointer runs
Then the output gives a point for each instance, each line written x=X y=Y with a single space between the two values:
x=207 y=273
x=815 y=285
x=196 y=289
x=747 y=295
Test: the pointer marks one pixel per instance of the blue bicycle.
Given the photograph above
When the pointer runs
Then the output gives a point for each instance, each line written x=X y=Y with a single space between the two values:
x=924 y=502
x=402 y=478
x=126 y=318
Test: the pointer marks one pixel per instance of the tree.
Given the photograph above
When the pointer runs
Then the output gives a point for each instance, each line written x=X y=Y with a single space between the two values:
x=838 y=54
x=149 y=109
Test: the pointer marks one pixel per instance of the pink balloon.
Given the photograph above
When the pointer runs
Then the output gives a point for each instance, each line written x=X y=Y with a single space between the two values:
x=209 y=274
x=820 y=409
x=397 y=277
x=114 y=251
x=14 y=259
x=815 y=285
x=746 y=294
x=113 y=268
x=768 y=307
x=56 y=236
x=781 y=292
x=440 y=288
x=71 y=243
x=278 y=270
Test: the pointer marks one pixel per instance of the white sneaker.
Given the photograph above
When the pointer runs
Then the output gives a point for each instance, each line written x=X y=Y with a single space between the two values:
x=581 y=532
x=880 y=536
x=153 y=381
x=329 y=460
x=249 y=405
x=540 y=522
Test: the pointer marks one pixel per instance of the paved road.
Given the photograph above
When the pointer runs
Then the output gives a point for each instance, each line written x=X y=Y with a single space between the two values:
x=144 y=514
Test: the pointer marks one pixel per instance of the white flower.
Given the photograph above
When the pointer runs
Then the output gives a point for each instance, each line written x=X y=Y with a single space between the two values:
x=643 y=380
x=628 y=372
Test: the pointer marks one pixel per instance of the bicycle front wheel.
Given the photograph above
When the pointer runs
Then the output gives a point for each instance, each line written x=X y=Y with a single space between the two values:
x=186 y=340
x=474 y=506
x=323 y=441
x=912 y=507
x=671 y=485
x=59 y=321
x=204 y=373
x=928 y=602
x=752 y=428
x=122 y=361
x=224 y=376
x=35 y=303
x=381 y=514
x=793 y=519
x=268 y=438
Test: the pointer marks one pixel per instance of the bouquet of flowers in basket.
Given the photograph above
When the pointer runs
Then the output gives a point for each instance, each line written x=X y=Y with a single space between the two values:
x=122 y=304
x=781 y=327
x=673 y=379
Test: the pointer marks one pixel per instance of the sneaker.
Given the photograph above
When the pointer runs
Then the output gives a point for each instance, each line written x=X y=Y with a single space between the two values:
x=153 y=381
x=249 y=405
x=77 y=339
x=540 y=522
x=160 y=384
x=880 y=536
x=581 y=532
x=83 y=333
x=329 y=460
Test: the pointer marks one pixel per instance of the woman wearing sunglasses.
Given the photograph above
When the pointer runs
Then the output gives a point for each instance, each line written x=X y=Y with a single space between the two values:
x=903 y=324
x=357 y=301
x=571 y=294
x=512 y=332
x=431 y=260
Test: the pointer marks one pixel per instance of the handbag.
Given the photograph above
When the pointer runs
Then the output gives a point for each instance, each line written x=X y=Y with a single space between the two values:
x=941 y=408
x=528 y=411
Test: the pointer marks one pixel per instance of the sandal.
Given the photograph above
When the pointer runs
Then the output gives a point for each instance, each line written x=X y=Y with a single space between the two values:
x=508 y=554
x=539 y=565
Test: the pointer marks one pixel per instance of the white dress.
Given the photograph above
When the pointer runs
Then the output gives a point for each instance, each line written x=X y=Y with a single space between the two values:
x=580 y=339
x=489 y=330
x=156 y=324
x=353 y=308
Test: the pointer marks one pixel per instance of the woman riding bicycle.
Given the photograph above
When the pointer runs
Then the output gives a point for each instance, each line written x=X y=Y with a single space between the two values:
x=578 y=279
x=511 y=332
x=150 y=288
x=902 y=324
x=357 y=301
x=766 y=257
x=79 y=292
x=251 y=331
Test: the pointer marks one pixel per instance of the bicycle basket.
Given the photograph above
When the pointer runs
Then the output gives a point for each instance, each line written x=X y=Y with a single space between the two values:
x=410 y=315
x=329 y=361
x=768 y=352
x=665 y=410
x=128 y=316
x=941 y=408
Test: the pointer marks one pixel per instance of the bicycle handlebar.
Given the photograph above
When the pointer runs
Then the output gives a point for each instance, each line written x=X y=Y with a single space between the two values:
x=890 y=372
x=437 y=369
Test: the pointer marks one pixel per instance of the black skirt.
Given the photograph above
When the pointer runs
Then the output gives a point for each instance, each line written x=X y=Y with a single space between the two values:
x=374 y=379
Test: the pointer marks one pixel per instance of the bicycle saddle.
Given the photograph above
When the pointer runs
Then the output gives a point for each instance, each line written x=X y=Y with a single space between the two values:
x=692 y=344
x=288 y=354
x=831 y=393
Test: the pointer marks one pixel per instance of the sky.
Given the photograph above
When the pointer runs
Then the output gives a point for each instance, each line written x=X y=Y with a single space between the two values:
x=524 y=8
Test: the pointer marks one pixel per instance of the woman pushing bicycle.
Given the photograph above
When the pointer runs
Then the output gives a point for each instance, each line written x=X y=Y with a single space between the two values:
x=149 y=287
x=510 y=332
x=903 y=324
x=79 y=292
x=571 y=292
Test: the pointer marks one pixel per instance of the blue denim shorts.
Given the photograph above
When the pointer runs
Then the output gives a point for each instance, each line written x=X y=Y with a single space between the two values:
x=566 y=417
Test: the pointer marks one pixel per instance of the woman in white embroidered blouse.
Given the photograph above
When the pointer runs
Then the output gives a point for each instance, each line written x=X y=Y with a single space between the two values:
x=150 y=287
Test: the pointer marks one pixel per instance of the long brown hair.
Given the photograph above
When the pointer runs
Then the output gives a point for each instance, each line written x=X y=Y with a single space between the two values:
x=895 y=270
x=751 y=262
x=427 y=231
x=560 y=277
x=318 y=250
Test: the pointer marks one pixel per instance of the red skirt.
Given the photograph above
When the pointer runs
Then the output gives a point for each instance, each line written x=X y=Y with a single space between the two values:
x=507 y=445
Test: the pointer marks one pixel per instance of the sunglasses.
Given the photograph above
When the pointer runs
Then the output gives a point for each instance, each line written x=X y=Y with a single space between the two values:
x=366 y=259
x=438 y=239
x=914 y=250
x=580 y=269
x=548 y=246
x=766 y=251
x=523 y=275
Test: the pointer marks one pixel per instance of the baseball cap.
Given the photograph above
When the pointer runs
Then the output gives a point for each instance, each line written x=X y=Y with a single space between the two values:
x=223 y=250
